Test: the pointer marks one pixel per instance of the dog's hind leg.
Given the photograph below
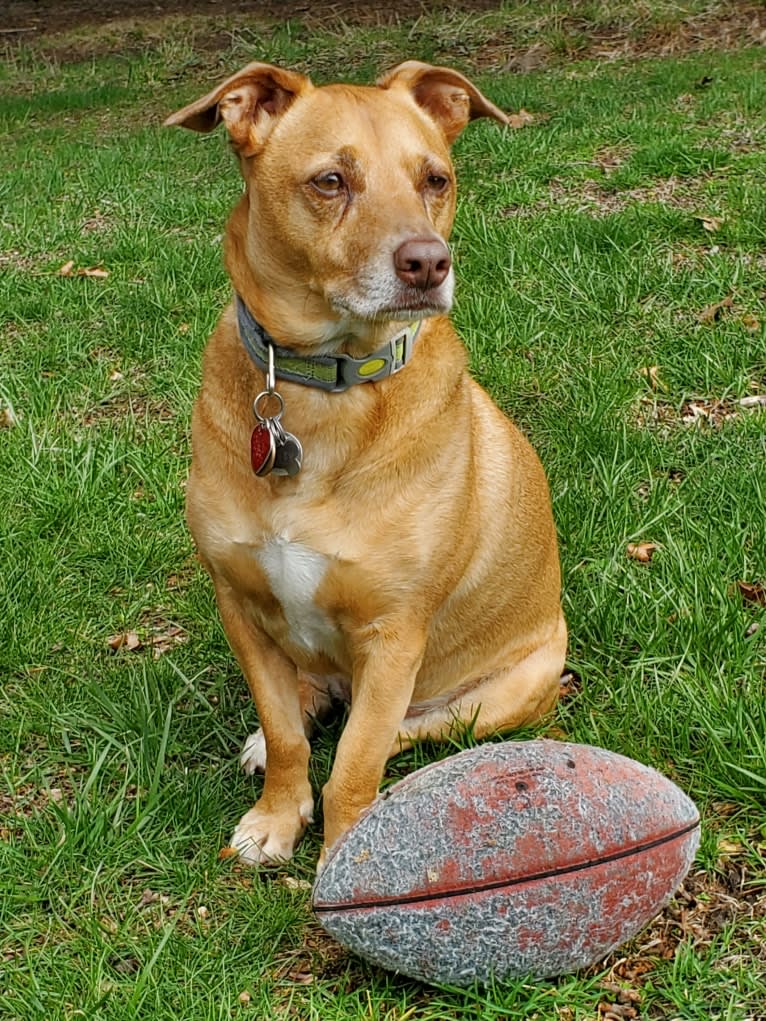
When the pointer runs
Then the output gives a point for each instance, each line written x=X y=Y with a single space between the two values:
x=503 y=701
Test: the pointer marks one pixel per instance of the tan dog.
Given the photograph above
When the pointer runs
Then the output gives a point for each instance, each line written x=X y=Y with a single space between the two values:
x=410 y=561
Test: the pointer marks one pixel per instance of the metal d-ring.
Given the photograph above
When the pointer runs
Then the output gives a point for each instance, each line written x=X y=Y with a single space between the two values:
x=265 y=395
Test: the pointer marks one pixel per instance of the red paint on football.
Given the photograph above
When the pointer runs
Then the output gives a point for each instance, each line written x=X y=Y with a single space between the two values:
x=523 y=858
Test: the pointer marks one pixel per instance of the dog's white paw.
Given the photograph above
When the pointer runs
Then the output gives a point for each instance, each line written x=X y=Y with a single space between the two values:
x=253 y=755
x=262 y=838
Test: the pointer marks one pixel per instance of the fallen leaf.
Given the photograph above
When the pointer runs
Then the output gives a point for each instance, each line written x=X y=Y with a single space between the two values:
x=125 y=640
x=708 y=411
x=620 y=993
x=228 y=852
x=244 y=997
x=616 y=1011
x=127 y=965
x=730 y=847
x=300 y=976
x=641 y=551
x=713 y=312
x=521 y=119
x=68 y=270
x=751 y=324
x=158 y=635
x=163 y=641
x=609 y=158
x=556 y=734
x=7 y=417
x=651 y=375
x=724 y=808
x=634 y=968
x=148 y=897
x=291 y=883
x=116 y=376
x=711 y=223
x=752 y=592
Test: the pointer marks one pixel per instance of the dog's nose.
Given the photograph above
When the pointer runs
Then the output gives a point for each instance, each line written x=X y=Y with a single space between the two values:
x=422 y=263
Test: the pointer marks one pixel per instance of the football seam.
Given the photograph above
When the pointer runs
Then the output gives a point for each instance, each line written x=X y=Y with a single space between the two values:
x=500 y=884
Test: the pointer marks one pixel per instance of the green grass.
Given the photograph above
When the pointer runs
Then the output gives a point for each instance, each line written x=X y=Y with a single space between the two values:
x=582 y=260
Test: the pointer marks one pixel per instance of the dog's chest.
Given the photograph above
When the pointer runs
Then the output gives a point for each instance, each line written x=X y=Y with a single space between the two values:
x=295 y=573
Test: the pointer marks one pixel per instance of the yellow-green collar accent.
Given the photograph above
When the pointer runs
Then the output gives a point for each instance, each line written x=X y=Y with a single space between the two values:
x=333 y=373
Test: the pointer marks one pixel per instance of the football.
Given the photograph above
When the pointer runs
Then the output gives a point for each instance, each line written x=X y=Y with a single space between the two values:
x=531 y=858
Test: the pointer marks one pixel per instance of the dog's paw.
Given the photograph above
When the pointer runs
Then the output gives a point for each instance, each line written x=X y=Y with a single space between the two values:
x=262 y=838
x=322 y=860
x=253 y=756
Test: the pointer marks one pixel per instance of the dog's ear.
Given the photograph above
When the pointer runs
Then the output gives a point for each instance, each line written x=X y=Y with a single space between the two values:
x=446 y=95
x=249 y=103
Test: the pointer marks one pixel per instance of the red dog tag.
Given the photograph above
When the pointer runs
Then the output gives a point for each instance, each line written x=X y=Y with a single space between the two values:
x=262 y=449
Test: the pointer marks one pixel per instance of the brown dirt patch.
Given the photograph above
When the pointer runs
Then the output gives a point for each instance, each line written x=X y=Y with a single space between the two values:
x=136 y=406
x=595 y=199
x=23 y=799
x=47 y=17
x=511 y=41
x=655 y=413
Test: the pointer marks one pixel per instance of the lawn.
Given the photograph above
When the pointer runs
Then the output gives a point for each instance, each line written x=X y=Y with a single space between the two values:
x=611 y=257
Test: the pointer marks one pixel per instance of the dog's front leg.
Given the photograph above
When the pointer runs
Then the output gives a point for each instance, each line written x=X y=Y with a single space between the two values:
x=275 y=824
x=382 y=685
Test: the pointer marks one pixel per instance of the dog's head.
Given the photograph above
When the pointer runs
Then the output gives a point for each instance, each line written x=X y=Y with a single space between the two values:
x=350 y=189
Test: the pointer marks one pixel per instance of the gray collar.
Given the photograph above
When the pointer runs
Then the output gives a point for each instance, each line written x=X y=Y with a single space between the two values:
x=333 y=373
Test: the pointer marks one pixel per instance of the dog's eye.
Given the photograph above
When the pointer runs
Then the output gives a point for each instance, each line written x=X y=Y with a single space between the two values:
x=437 y=182
x=328 y=184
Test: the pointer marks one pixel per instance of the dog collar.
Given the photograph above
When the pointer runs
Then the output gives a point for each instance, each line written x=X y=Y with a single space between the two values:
x=333 y=373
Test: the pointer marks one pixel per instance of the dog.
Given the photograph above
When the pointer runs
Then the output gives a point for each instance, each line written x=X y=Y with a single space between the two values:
x=372 y=524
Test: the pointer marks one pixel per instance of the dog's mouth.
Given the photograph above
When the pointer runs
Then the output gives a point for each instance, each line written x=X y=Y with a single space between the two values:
x=419 y=305
x=400 y=303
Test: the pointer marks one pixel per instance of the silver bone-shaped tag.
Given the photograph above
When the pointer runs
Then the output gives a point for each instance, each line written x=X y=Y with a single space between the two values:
x=288 y=452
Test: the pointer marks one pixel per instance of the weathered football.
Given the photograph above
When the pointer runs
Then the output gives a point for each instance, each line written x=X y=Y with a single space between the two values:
x=523 y=858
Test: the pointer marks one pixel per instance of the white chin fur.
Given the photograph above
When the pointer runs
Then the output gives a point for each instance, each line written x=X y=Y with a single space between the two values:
x=378 y=299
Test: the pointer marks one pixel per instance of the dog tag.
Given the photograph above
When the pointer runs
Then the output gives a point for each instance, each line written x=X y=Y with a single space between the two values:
x=262 y=449
x=288 y=454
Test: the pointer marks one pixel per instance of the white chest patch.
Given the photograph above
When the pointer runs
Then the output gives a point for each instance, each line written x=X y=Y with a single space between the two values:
x=295 y=572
